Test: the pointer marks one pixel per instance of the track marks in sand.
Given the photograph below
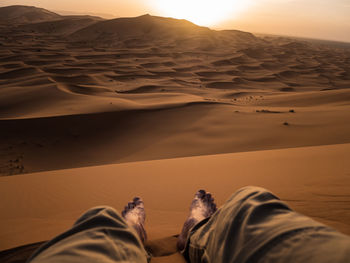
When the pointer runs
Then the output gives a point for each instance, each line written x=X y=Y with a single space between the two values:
x=11 y=162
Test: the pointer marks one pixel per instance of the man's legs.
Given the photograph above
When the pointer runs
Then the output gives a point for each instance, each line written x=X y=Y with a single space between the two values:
x=100 y=235
x=255 y=226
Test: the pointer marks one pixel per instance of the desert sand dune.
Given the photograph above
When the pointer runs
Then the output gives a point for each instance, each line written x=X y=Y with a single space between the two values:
x=51 y=76
x=317 y=186
x=80 y=91
x=147 y=30
x=63 y=26
x=18 y=14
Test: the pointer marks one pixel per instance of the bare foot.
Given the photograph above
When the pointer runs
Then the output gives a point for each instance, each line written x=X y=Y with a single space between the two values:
x=202 y=207
x=134 y=214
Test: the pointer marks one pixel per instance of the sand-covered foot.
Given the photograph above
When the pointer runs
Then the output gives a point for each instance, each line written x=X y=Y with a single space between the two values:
x=202 y=207
x=134 y=214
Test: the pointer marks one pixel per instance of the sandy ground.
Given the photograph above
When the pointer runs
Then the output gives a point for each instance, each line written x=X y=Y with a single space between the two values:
x=313 y=180
x=80 y=91
x=95 y=97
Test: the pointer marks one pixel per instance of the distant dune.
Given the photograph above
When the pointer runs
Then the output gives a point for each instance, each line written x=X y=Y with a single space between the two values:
x=147 y=29
x=146 y=26
x=77 y=13
x=63 y=26
x=79 y=81
x=121 y=32
x=19 y=14
x=41 y=21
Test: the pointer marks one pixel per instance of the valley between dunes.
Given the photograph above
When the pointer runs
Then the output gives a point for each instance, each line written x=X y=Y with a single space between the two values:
x=108 y=95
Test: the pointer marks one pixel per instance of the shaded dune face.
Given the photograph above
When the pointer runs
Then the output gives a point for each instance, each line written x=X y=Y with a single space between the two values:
x=25 y=14
x=62 y=26
x=157 y=85
x=155 y=31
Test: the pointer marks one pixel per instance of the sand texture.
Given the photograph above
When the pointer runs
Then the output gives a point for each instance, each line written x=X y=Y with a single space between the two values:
x=313 y=180
x=185 y=91
x=81 y=91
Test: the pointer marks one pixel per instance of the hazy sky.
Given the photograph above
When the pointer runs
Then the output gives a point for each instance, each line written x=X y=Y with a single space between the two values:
x=325 y=19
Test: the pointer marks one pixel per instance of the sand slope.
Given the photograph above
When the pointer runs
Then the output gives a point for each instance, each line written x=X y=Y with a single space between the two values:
x=19 y=14
x=147 y=30
x=64 y=26
x=150 y=87
x=312 y=180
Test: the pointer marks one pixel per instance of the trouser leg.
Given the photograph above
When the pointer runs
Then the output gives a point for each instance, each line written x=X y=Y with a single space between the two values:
x=99 y=235
x=255 y=226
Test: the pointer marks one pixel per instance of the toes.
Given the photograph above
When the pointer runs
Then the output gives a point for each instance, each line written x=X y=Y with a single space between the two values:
x=213 y=207
x=137 y=201
x=210 y=202
x=134 y=215
x=131 y=205
x=201 y=194
x=207 y=198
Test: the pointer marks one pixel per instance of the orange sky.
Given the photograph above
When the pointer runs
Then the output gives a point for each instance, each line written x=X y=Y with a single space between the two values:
x=322 y=19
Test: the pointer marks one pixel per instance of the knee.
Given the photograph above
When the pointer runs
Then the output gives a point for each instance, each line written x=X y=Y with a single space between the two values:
x=98 y=210
x=251 y=188
x=250 y=192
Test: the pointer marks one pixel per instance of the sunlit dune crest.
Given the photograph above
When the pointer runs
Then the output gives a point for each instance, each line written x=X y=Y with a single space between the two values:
x=201 y=12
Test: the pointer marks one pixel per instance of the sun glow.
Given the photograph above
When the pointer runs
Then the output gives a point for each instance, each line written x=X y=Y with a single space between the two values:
x=201 y=12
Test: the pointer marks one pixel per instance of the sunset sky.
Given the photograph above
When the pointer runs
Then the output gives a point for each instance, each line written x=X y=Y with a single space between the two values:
x=322 y=19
